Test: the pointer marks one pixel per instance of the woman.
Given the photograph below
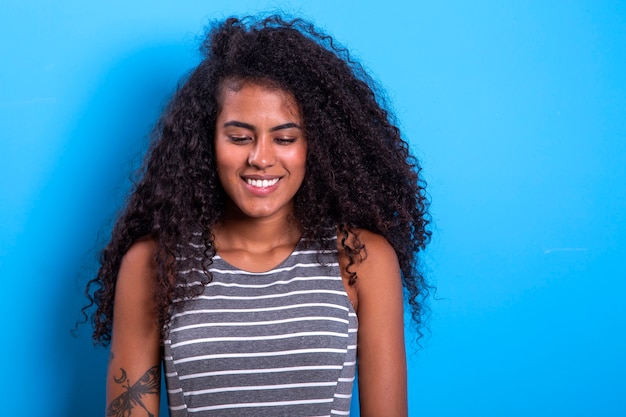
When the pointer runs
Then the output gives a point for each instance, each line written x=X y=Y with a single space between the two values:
x=276 y=221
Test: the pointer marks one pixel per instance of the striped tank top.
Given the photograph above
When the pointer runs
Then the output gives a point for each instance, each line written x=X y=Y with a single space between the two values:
x=275 y=343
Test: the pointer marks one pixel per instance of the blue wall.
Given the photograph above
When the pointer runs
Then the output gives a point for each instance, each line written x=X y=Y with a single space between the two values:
x=517 y=110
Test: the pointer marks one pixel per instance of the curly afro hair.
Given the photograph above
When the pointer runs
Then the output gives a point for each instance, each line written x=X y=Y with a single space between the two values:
x=359 y=171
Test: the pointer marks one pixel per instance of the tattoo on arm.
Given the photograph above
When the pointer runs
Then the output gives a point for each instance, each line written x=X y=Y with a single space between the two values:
x=149 y=383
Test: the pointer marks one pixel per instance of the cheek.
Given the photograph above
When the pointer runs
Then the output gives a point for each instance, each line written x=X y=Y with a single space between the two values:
x=300 y=159
x=224 y=160
x=221 y=175
x=223 y=167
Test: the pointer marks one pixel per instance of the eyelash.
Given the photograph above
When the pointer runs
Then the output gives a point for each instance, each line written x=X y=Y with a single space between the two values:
x=238 y=139
x=285 y=141
x=280 y=141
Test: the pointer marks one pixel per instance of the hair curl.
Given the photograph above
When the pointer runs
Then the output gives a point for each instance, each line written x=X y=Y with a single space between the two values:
x=359 y=171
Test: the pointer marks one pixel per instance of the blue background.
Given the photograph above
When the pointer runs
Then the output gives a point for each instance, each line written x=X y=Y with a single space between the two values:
x=516 y=109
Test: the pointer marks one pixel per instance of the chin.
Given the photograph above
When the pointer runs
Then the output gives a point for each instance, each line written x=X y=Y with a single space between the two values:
x=265 y=212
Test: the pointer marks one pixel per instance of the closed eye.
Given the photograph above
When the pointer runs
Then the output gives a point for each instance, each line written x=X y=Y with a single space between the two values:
x=285 y=141
x=239 y=139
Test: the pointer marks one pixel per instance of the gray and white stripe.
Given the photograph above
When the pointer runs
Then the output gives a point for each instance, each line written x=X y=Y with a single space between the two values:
x=281 y=342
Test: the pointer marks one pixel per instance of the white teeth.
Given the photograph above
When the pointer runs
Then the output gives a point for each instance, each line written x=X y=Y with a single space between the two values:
x=261 y=183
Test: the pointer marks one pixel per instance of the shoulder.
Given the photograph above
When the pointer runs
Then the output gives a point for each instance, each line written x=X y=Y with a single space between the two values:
x=376 y=250
x=376 y=268
x=134 y=305
x=379 y=247
x=138 y=266
x=141 y=251
x=378 y=264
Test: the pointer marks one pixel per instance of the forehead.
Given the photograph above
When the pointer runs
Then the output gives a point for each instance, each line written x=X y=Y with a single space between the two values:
x=255 y=96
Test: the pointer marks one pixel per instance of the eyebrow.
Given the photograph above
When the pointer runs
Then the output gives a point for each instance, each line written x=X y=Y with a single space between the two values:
x=251 y=127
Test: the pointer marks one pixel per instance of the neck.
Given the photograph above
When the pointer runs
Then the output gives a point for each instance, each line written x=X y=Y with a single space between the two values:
x=256 y=235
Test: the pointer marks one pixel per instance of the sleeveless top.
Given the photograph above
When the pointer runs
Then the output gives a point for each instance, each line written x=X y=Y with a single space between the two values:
x=275 y=343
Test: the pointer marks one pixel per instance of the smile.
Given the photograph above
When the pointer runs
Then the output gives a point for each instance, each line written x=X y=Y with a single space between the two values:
x=262 y=183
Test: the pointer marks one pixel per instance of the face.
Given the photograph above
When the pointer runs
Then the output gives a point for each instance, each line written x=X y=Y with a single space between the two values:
x=260 y=149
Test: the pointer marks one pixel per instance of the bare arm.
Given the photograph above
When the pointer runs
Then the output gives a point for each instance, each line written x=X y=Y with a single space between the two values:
x=134 y=371
x=381 y=354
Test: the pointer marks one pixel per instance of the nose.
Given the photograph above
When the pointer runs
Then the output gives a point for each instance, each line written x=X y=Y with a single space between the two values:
x=262 y=155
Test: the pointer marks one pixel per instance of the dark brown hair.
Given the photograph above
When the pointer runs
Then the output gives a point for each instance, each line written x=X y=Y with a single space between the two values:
x=360 y=173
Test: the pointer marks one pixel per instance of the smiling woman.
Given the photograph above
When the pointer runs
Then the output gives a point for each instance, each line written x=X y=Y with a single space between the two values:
x=267 y=242
x=260 y=150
